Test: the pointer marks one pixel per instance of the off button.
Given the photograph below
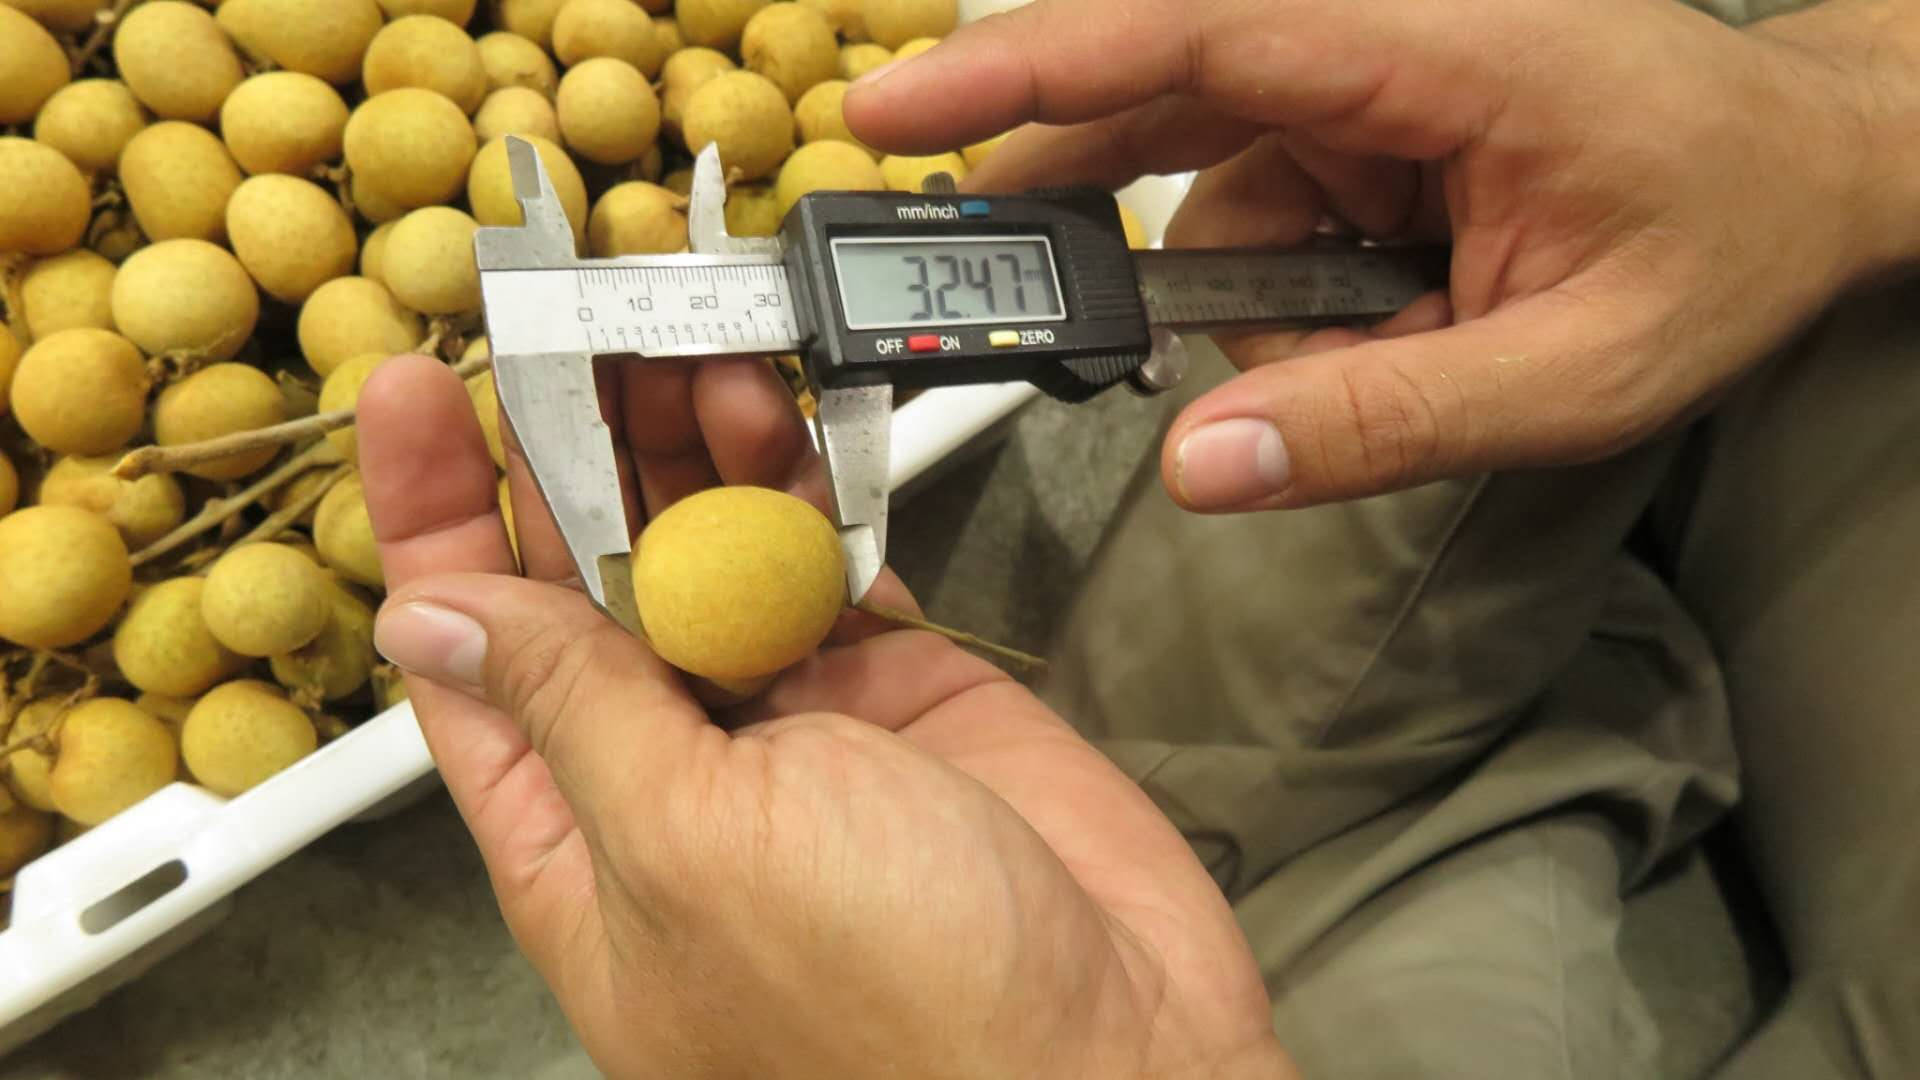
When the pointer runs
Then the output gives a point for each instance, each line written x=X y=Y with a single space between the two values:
x=1003 y=339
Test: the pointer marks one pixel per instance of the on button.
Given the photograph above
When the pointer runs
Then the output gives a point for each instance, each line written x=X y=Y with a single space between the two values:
x=924 y=343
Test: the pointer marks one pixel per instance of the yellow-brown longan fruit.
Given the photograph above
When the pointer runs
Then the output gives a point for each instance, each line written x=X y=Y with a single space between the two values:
x=215 y=401
x=683 y=73
x=637 y=218
x=63 y=574
x=738 y=582
x=457 y=12
x=46 y=205
x=171 y=711
x=373 y=253
x=679 y=181
x=978 y=153
x=290 y=234
x=847 y=17
x=342 y=391
x=178 y=178
x=821 y=115
x=531 y=19
x=858 y=59
x=516 y=110
x=715 y=24
x=9 y=360
x=338 y=662
x=176 y=60
x=349 y=316
x=373 y=206
x=893 y=23
x=283 y=122
x=9 y=486
x=264 y=599
x=24 y=835
x=62 y=16
x=747 y=116
x=619 y=29
x=344 y=534
x=143 y=510
x=486 y=406
x=753 y=210
x=242 y=733
x=90 y=121
x=825 y=166
x=298 y=490
x=909 y=173
x=324 y=39
x=666 y=36
x=651 y=164
x=112 y=754
x=429 y=263
x=915 y=47
x=511 y=60
x=792 y=45
x=81 y=391
x=504 y=498
x=67 y=291
x=410 y=145
x=32 y=66
x=607 y=111
x=28 y=770
x=163 y=646
x=490 y=186
x=1136 y=232
x=428 y=52
x=185 y=296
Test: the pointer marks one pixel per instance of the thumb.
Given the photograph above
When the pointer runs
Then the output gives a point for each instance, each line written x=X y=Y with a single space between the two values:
x=1546 y=380
x=611 y=720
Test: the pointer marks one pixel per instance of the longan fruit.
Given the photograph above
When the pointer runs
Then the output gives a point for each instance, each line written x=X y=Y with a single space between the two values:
x=9 y=486
x=620 y=29
x=63 y=575
x=827 y=165
x=979 y=152
x=221 y=399
x=915 y=47
x=176 y=60
x=144 y=510
x=242 y=733
x=430 y=264
x=666 y=36
x=738 y=582
x=29 y=769
x=163 y=646
x=679 y=181
x=904 y=173
x=747 y=116
x=821 y=114
x=90 y=121
x=9 y=360
x=349 y=316
x=290 y=234
x=373 y=253
x=511 y=60
x=171 y=711
x=531 y=19
x=793 y=45
x=297 y=490
x=607 y=111
x=112 y=754
x=715 y=24
x=264 y=599
x=847 y=17
x=1136 y=232
x=62 y=16
x=344 y=534
x=893 y=23
x=81 y=391
x=67 y=291
x=858 y=59
x=186 y=296
x=410 y=145
x=342 y=391
x=516 y=110
x=283 y=122
x=47 y=203
x=338 y=662
x=32 y=66
x=486 y=406
x=178 y=177
x=429 y=52
x=490 y=186
x=457 y=12
x=651 y=164
x=24 y=835
x=326 y=38
x=683 y=73
x=753 y=210
x=637 y=218
x=371 y=205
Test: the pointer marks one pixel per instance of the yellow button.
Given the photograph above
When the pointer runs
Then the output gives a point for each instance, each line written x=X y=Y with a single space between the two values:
x=1002 y=339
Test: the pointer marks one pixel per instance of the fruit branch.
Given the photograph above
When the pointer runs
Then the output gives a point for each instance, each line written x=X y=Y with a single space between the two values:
x=278 y=521
x=1027 y=661
x=103 y=24
x=217 y=511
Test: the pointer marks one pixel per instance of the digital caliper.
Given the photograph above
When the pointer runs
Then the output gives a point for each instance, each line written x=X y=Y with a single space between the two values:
x=875 y=291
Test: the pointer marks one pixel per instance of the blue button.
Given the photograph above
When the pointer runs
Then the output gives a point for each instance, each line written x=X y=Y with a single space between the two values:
x=975 y=208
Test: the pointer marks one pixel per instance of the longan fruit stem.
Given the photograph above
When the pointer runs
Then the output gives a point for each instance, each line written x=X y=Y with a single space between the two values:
x=103 y=24
x=218 y=511
x=280 y=520
x=1027 y=661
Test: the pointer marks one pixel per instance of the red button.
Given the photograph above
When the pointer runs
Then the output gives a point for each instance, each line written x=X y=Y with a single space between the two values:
x=924 y=343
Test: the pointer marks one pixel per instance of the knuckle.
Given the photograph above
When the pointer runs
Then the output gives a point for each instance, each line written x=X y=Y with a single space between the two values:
x=547 y=675
x=1392 y=424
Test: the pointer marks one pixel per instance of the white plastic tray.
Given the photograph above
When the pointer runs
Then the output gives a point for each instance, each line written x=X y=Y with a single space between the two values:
x=97 y=912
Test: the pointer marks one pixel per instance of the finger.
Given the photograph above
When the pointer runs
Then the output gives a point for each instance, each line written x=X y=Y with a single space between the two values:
x=1411 y=79
x=667 y=452
x=1432 y=311
x=863 y=681
x=751 y=425
x=1546 y=380
x=1260 y=197
x=1171 y=135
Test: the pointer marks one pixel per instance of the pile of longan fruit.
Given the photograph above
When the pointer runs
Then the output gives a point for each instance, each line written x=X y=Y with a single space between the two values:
x=216 y=219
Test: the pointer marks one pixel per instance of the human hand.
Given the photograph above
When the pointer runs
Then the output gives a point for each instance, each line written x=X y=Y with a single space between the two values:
x=1641 y=201
x=898 y=863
